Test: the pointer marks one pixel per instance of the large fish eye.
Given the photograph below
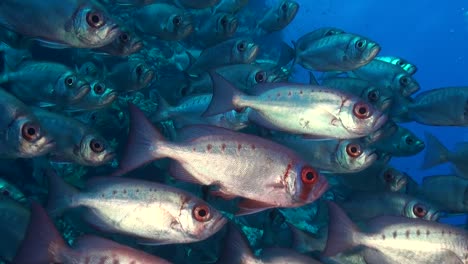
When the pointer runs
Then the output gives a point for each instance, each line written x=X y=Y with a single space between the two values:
x=99 y=89
x=96 y=146
x=124 y=37
x=404 y=81
x=224 y=21
x=419 y=210
x=354 y=150
x=30 y=131
x=201 y=213
x=409 y=140
x=361 y=110
x=373 y=96
x=260 y=77
x=388 y=176
x=309 y=175
x=177 y=20
x=70 y=81
x=241 y=46
x=139 y=70
x=360 y=44
x=95 y=19
x=284 y=7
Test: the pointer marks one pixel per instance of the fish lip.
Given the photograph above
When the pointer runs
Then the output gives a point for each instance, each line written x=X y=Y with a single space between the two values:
x=219 y=223
x=380 y=121
x=109 y=156
x=371 y=157
x=83 y=90
x=147 y=77
x=136 y=46
x=110 y=98
x=386 y=103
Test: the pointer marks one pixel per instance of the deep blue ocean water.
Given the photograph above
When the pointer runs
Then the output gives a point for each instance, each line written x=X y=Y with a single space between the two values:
x=431 y=34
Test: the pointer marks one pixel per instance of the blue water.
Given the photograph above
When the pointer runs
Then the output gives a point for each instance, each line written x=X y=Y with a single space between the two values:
x=431 y=34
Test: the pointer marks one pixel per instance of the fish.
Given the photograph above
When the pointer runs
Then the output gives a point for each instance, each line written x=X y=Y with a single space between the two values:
x=233 y=51
x=70 y=23
x=210 y=156
x=164 y=21
x=75 y=141
x=216 y=28
x=330 y=155
x=22 y=135
x=318 y=111
x=380 y=97
x=9 y=190
x=152 y=213
x=337 y=52
x=436 y=153
x=236 y=250
x=125 y=44
x=401 y=142
x=449 y=192
x=404 y=64
x=132 y=75
x=278 y=17
x=14 y=218
x=46 y=84
x=100 y=96
x=397 y=239
x=426 y=108
x=230 y=6
x=389 y=203
x=45 y=243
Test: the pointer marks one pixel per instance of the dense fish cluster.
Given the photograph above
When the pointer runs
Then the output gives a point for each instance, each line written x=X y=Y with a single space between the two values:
x=172 y=131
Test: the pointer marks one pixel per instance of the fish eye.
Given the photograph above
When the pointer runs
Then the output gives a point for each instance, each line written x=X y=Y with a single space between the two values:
x=361 y=110
x=241 y=47
x=139 y=70
x=309 y=175
x=260 y=77
x=6 y=193
x=95 y=19
x=404 y=81
x=70 y=81
x=360 y=44
x=124 y=37
x=284 y=7
x=201 y=213
x=400 y=63
x=419 y=210
x=96 y=146
x=388 y=176
x=30 y=131
x=373 y=96
x=329 y=33
x=409 y=140
x=224 y=21
x=354 y=150
x=177 y=20
x=99 y=88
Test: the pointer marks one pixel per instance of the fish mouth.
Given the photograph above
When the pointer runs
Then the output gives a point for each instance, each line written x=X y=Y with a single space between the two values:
x=219 y=223
x=386 y=103
x=380 y=121
x=371 y=157
x=109 y=156
x=136 y=47
x=400 y=183
x=410 y=90
x=109 y=98
x=373 y=50
x=253 y=52
x=420 y=145
x=82 y=91
x=435 y=216
x=147 y=77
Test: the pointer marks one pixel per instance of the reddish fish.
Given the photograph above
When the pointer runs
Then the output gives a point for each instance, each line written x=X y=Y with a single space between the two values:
x=265 y=173
x=45 y=243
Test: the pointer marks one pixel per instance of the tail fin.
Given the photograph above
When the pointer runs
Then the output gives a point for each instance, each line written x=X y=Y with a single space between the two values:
x=436 y=153
x=341 y=231
x=162 y=112
x=224 y=94
x=236 y=248
x=42 y=242
x=60 y=194
x=305 y=242
x=143 y=141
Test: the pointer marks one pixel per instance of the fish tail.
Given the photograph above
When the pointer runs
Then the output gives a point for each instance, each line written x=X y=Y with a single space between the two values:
x=436 y=153
x=224 y=94
x=144 y=142
x=162 y=112
x=302 y=241
x=236 y=248
x=42 y=242
x=341 y=231
x=60 y=194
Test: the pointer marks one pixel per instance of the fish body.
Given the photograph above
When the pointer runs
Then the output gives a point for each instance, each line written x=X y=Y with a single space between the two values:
x=100 y=96
x=211 y=156
x=318 y=111
x=216 y=28
x=131 y=75
x=14 y=218
x=150 y=212
x=449 y=192
x=400 y=143
x=279 y=16
x=398 y=239
x=125 y=44
x=72 y=23
x=339 y=52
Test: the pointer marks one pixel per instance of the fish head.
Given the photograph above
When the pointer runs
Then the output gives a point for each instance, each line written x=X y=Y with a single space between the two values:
x=362 y=50
x=180 y=25
x=379 y=97
x=72 y=87
x=305 y=183
x=101 y=94
x=287 y=11
x=359 y=117
x=28 y=137
x=394 y=180
x=142 y=74
x=198 y=220
x=94 y=27
x=354 y=156
x=405 y=84
x=94 y=150
x=409 y=142
x=417 y=208
x=244 y=51
x=227 y=24
x=89 y=69
x=127 y=43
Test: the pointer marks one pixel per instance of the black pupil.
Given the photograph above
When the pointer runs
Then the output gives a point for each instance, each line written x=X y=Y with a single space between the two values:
x=69 y=81
x=259 y=77
x=31 y=131
x=241 y=46
x=373 y=96
x=184 y=91
x=362 y=110
x=176 y=21
x=388 y=176
x=404 y=80
x=202 y=212
x=139 y=70
x=96 y=19
x=409 y=141
x=124 y=37
x=310 y=176
x=284 y=7
x=400 y=63
x=419 y=210
x=223 y=21
x=360 y=44
x=354 y=149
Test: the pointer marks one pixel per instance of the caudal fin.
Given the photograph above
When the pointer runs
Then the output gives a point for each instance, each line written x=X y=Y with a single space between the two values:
x=224 y=94
x=341 y=231
x=60 y=194
x=42 y=242
x=162 y=112
x=236 y=248
x=436 y=153
x=143 y=142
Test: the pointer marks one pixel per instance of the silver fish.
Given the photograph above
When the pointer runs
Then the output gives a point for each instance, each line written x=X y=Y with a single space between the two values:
x=279 y=16
x=129 y=76
x=100 y=96
x=450 y=192
x=216 y=28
